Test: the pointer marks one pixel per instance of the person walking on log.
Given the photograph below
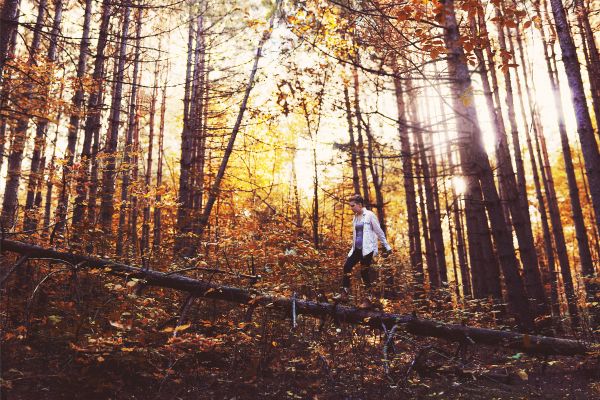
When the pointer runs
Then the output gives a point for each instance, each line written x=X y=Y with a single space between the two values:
x=365 y=234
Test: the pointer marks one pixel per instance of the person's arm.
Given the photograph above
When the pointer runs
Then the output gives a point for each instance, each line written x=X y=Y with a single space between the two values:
x=379 y=232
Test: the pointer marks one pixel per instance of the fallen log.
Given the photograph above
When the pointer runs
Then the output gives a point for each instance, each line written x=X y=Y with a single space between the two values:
x=341 y=313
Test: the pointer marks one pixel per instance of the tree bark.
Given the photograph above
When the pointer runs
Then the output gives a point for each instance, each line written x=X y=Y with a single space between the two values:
x=476 y=164
x=156 y=234
x=514 y=190
x=183 y=242
x=10 y=23
x=76 y=111
x=110 y=148
x=360 y=145
x=128 y=149
x=550 y=259
x=377 y=320
x=215 y=189
x=414 y=234
x=589 y=147
x=15 y=159
x=353 y=157
x=29 y=219
x=91 y=127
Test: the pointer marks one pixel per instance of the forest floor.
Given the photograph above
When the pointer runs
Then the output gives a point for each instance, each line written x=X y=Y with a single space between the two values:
x=89 y=335
x=216 y=357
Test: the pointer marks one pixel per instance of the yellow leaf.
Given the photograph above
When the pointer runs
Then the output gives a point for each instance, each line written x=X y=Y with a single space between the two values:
x=522 y=374
x=182 y=327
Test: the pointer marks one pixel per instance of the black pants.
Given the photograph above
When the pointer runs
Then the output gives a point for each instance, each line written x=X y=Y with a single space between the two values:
x=365 y=271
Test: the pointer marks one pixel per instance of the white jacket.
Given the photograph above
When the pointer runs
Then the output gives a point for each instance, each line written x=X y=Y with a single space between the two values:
x=371 y=231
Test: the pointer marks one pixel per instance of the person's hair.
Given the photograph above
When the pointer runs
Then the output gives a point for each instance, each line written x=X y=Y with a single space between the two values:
x=357 y=198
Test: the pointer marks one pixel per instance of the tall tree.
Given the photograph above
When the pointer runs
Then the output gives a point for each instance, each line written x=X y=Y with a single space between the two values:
x=15 y=158
x=129 y=137
x=216 y=186
x=10 y=23
x=92 y=123
x=110 y=148
x=476 y=163
x=29 y=219
x=76 y=111
x=414 y=234
x=589 y=146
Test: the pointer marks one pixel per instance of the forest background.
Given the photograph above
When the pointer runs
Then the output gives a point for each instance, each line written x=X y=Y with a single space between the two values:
x=222 y=140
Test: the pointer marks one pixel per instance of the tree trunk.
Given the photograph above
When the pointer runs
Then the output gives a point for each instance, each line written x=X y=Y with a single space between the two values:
x=377 y=174
x=361 y=147
x=110 y=148
x=414 y=234
x=593 y=56
x=591 y=155
x=77 y=103
x=10 y=201
x=10 y=23
x=127 y=150
x=557 y=230
x=183 y=242
x=353 y=157
x=92 y=126
x=30 y=217
x=514 y=192
x=377 y=320
x=432 y=272
x=156 y=234
x=550 y=260
x=476 y=163
x=435 y=231
x=215 y=189
x=145 y=240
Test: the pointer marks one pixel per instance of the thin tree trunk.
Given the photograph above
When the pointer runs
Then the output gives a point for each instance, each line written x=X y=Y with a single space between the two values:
x=353 y=157
x=315 y=207
x=215 y=189
x=557 y=230
x=10 y=23
x=591 y=155
x=377 y=174
x=5 y=88
x=435 y=231
x=476 y=163
x=10 y=201
x=414 y=234
x=514 y=191
x=133 y=243
x=127 y=151
x=29 y=219
x=432 y=272
x=550 y=260
x=156 y=234
x=593 y=56
x=184 y=220
x=110 y=148
x=50 y=187
x=360 y=145
x=145 y=240
x=92 y=126
x=77 y=103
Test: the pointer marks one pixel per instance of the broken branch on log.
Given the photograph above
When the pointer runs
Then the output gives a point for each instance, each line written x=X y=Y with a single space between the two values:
x=457 y=333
